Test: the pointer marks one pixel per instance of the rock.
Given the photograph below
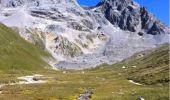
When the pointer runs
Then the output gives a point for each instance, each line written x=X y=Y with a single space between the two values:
x=123 y=67
x=87 y=23
x=83 y=72
x=128 y=15
x=134 y=66
x=76 y=26
x=86 y=95
x=140 y=33
x=140 y=98
x=155 y=29
x=64 y=72
x=144 y=17
x=35 y=79
x=102 y=37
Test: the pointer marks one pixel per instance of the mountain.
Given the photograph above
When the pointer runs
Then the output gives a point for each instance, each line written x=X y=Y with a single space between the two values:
x=80 y=38
x=18 y=54
x=128 y=15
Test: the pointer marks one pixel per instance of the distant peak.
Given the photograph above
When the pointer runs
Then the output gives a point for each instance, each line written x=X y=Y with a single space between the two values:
x=115 y=3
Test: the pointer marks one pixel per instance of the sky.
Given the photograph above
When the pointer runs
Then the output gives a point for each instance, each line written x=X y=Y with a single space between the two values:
x=160 y=8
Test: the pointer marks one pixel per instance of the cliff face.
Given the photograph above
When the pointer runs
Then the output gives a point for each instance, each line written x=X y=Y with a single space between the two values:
x=128 y=15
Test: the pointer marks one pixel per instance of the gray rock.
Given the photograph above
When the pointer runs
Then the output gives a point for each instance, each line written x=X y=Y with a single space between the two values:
x=140 y=98
x=127 y=15
x=86 y=95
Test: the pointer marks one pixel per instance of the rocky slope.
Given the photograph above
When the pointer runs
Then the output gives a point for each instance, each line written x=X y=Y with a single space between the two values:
x=82 y=38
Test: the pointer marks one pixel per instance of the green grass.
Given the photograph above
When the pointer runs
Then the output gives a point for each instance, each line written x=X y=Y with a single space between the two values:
x=68 y=87
x=109 y=82
x=18 y=54
x=153 y=68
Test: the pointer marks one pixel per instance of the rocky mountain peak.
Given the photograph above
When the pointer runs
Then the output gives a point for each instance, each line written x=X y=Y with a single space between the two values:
x=128 y=15
x=115 y=4
x=116 y=1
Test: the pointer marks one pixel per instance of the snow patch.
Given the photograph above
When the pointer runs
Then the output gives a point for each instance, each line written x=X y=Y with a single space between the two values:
x=30 y=79
x=131 y=81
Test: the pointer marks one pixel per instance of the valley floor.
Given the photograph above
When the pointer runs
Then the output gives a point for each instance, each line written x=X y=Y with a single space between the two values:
x=68 y=85
x=144 y=77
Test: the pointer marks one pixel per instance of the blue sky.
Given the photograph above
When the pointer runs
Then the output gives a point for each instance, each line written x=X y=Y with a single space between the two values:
x=160 y=8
